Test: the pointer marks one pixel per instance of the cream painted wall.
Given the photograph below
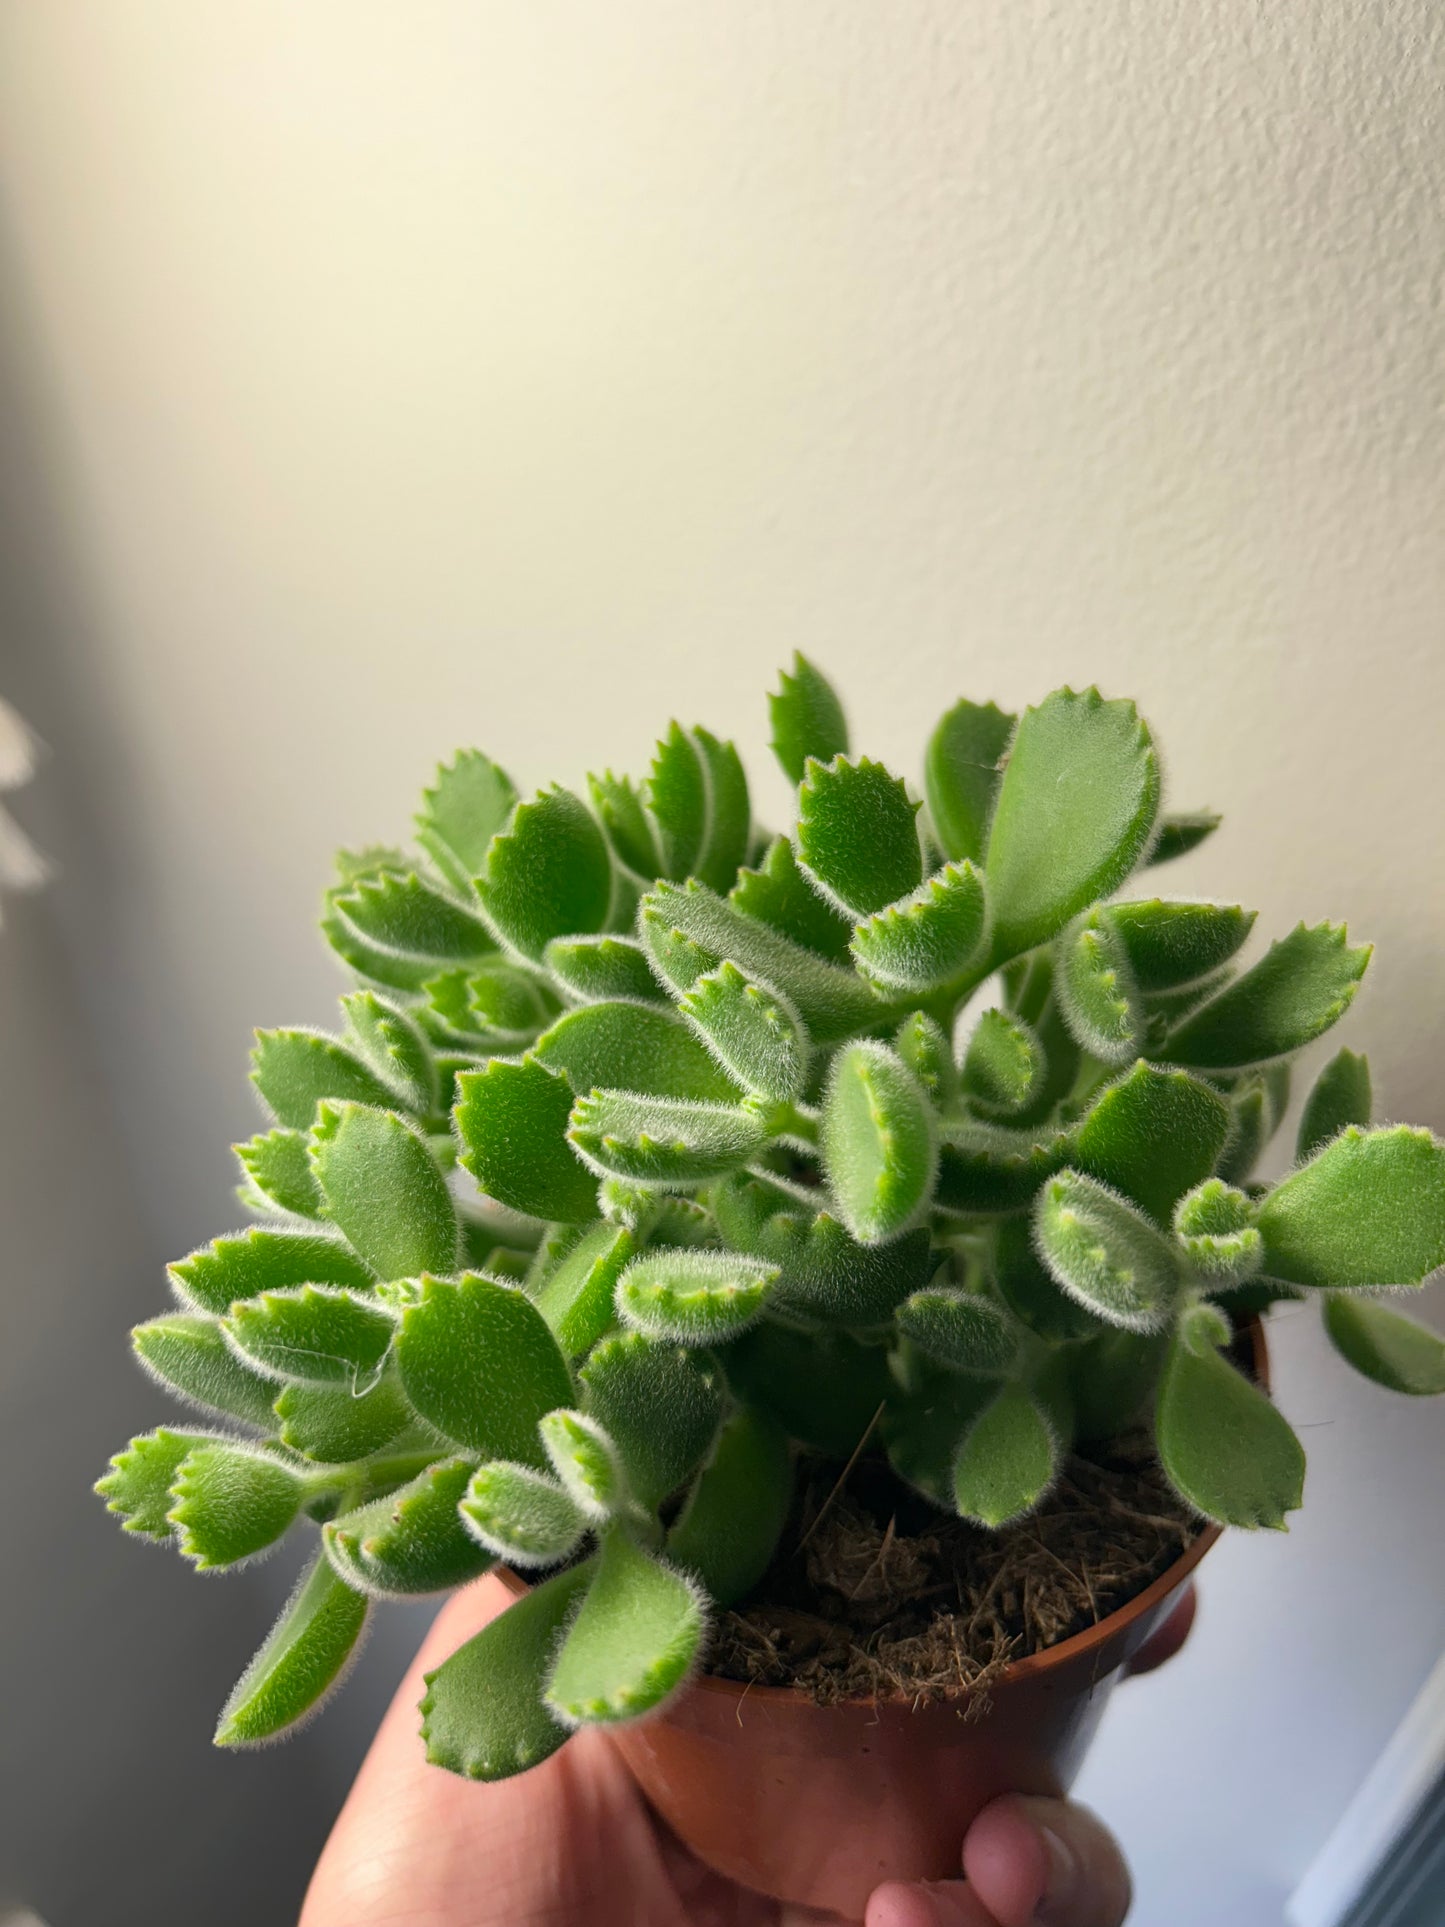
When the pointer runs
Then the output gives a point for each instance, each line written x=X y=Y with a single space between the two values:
x=401 y=376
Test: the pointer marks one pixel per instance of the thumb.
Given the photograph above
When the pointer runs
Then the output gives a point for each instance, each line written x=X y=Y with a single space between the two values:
x=1029 y=1863
x=1046 y=1861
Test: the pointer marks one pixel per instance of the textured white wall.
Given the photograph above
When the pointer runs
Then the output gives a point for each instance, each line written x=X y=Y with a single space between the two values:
x=410 y=375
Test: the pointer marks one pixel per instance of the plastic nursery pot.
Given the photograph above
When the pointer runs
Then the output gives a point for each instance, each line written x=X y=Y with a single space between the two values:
x=817 y=1805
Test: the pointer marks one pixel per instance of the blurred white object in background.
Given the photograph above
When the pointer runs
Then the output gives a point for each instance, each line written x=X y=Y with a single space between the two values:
x=22 y=867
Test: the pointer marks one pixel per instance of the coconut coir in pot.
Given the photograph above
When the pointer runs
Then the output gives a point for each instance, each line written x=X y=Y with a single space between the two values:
x=875 y=1592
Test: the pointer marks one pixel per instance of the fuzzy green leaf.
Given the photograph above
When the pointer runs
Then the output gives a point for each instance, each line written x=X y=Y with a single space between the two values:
x=825 y=1388
x=1024 y=1284
x=491 y=1011
x=634 y=1640
x=189 y=1355
x=1165 y=1009
x=388 y=968
x=374 y=860
x=1170 y=944
x=213 y=1278
x=313 y=1335
x=625 y=819
x=137 y=1485
x=600 y=969
x=278 y=1165
x=392 y=1044
x=825 y=1276
x=407 y=917
x=586 y=1461
x=923 y=1427
x=925 y=939
x=662 y=1141
x=674 y=1219
x=576 y=1297
x=479 y=1363
x=547 y=875
x=1215 y=1225
x=857 y=834
x=1249 y=1132
x=984 y=1169
x=687 y=931
x=1204 y=1328
x=1179 y=834
x=302 y=1660
x=660 y=1404
x=693 y=1297
x=734 y=1515
x=1213 y=1209
x=753 y=1032
x=1224 y=1447
x=1027 y=984
x=633 y=1047
x=1073 y=815
x=961 y=774
x=1340 y=1095
x=483 y=1715
x=522 y=1515
x=1394 y=1351
x=1369 y=1209
x=1112 y=1379
x=1153 y=1135
x=698 y=797
x=1105 y=1253
x=677 y=795
x=230 y=1501
x=779 y=895
x=1064 y=1065
x=383 y=1188
x=807 y=719
x=461 y=813
x=1095 y=987
x=1299 y=988
x=960 y=1330
x=410 y=1542
x=922 y=1044
x=729 y=823
x=1006 y=1462
x=495 y=1230
x=512 y=1123
x=1004 y=1065
x=332 y=1425
x=552 y=1246
x=878 y=1140
x=295 y=1070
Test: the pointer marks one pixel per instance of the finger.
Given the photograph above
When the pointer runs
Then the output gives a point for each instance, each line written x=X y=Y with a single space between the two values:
x=1164 y=1642
x=944 y=1903
x=1051 y=1862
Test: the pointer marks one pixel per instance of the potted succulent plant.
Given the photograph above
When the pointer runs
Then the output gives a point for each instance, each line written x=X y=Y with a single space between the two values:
x=680 y=1200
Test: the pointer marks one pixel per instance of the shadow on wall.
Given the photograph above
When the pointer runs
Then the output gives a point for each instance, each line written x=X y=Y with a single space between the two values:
x=116 y=1809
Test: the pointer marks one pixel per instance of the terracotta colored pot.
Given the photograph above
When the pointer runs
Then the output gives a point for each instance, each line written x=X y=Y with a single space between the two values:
x=819 y=1804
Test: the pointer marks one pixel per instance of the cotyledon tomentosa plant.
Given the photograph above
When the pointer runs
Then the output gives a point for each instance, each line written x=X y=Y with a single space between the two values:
x=744 y=1166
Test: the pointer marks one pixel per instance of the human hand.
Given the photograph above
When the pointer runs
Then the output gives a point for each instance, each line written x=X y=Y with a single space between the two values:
x=574 y=1841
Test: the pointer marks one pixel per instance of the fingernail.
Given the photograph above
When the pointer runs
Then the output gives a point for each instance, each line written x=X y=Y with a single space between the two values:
x=1060 y=1893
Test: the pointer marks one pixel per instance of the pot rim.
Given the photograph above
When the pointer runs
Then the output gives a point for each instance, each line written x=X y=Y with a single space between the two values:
x=1030 y=1665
